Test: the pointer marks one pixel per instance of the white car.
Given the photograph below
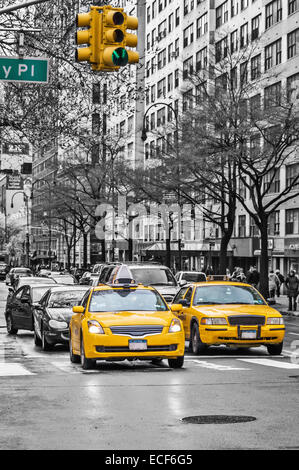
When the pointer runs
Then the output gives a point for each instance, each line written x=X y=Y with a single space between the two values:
x=183 y=277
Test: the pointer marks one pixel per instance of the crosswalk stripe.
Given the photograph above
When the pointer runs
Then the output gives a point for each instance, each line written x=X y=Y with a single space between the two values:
x=13 y=369
x=211 y=365
x=271 y=363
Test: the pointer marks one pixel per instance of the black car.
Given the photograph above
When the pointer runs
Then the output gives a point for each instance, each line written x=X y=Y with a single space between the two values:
x=53 y=313
x=20 y=306
x=15 y=273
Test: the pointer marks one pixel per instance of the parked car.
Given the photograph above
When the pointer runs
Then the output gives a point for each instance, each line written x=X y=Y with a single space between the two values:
x=183 y=277
x=44 y=272
x=19 y=307
x=53 y=313
x=150 y=274
x=3 y=271
x=15 y=273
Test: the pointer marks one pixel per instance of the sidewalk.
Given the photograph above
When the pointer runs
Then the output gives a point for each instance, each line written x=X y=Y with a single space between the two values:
x=282 y=304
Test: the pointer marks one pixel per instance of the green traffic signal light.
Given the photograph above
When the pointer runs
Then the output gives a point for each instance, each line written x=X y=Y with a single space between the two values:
x=120 y=57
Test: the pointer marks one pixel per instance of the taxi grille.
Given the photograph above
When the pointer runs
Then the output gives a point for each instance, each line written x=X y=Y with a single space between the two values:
x=246 y=320
x=160 y=348
x=137 y=330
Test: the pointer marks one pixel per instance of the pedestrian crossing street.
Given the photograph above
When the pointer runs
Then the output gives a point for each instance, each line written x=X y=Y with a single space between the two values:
x=35 y=365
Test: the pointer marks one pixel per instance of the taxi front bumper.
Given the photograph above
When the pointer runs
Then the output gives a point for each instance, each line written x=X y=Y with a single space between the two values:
x=242 y=335
x=109 y=346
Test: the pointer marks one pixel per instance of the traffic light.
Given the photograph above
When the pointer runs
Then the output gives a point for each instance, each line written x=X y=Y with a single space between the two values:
x=89 y=36
x=107 y=38
x=116 y=39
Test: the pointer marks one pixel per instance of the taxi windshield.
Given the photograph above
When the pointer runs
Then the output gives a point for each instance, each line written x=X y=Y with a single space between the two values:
x=126 y=300
x=227 y=295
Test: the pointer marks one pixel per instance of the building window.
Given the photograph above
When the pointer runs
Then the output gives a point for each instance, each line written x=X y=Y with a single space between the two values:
x=292 y=6
x=221 y=49
x=201 y=25
x=256 y=67
x=187 y=68
x=292 y=221
x=274 y=223
x=161 y=59
x=293 y=87
x=177 y=17
x=242 y=226
x=293 y=43
x=273 y=54
x=273 y=13
x=222 y=14
x=244 y=35
x=292 y=176
x=202 y=59
x=176 y=78
x=272 y=95
x=234 y=8
x=272 y=182
x=255 y=27
x=244 y=73
x=254 y=230
x=234 y=41
x=187 y=100
x=188 y=36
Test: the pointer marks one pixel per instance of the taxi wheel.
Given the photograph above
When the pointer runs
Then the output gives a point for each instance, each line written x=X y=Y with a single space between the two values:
x=176 y=363
x=74 y=358
x=275 y=349
x=85 y=362
x=197 y=347
x=9 y=325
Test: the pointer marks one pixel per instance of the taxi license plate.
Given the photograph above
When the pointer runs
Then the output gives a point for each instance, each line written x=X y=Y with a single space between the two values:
x=137 y=344
x=248 y=334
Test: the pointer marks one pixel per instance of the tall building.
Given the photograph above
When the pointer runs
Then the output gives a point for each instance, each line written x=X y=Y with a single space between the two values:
x=182 y=37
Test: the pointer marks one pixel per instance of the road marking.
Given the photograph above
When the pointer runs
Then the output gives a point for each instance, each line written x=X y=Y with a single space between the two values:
x=211 y=365
x=12 y=369
x=271 y=363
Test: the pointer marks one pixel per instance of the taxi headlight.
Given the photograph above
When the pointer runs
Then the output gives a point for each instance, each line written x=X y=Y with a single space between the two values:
x=58 y=325
x=95 y=328
x=214 y=321
x=175 y=326
x=275 y=321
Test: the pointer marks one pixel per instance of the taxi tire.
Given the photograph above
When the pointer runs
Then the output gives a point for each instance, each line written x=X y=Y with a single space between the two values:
x=176 y=363
x=74 y=358
x=9 y=325
x=274 y=349
x=197 y=347
x=86 y=363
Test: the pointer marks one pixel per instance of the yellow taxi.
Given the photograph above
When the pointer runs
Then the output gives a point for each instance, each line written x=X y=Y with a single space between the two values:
x=230 y=313
x=125 y=320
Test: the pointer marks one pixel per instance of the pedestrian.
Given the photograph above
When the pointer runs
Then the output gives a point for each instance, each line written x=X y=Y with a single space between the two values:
x=281 y=281
x=292 y=285
x=253 y=277
x=273 y=284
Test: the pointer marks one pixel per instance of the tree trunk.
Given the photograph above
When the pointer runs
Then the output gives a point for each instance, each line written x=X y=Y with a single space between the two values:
x=85 y=250
x=264 y=267
x=168 y=252
x=223 y=261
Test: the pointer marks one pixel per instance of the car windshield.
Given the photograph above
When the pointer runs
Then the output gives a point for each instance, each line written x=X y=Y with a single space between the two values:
x=38 y=292
x=154 y=276
x=227 y=295
x=126 y=300
x=193 y=277
x=64 y=279
x=65 y=299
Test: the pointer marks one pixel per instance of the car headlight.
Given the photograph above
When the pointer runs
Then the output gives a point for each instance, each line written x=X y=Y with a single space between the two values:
x=275 y=321
x=175 y=326
x=214 y=321
x=58 y=325
x=95 y=328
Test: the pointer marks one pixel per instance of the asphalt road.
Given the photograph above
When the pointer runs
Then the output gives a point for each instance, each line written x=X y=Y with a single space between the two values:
x=48 y=403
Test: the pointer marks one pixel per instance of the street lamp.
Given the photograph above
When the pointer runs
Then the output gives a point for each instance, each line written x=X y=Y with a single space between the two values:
x=26 y=200
x=144 y=137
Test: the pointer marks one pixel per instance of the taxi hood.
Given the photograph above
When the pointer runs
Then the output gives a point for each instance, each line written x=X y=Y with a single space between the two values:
x=132 y=318
x=220 y=310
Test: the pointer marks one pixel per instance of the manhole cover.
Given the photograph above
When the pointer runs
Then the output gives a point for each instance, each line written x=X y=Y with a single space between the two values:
x=217 y=419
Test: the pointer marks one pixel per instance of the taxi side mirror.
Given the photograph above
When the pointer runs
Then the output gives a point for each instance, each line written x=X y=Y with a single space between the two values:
x=176 y=308
x=78 y=309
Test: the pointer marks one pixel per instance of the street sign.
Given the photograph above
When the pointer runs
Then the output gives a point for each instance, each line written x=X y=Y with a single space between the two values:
x=26 y=70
